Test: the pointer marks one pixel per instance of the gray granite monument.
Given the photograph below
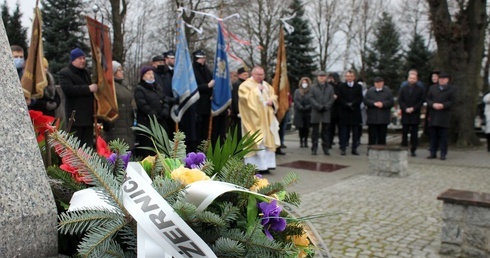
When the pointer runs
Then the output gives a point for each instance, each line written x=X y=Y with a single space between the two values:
x=27 y=207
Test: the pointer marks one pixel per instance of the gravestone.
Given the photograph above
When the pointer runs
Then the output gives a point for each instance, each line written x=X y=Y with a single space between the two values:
x=27 y=207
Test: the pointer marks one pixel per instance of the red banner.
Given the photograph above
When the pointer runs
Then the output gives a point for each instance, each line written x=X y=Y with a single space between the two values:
x=102 y=66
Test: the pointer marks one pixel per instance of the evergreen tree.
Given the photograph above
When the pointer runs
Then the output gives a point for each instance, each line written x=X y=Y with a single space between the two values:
x=299 y=52
x=16 y=34
x=418 y=57
x=62 y=31
x=384 y=57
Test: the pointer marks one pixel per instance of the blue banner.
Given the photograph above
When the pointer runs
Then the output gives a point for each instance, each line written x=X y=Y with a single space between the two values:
x=184 y=84
x=221 y=75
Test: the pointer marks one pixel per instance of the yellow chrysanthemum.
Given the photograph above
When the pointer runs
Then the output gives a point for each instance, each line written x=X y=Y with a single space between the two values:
x=187 y=175
x=302 y=242
x=149 y=159
x=261 y=182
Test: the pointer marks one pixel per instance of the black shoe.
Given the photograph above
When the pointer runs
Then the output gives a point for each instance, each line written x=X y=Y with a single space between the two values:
x=325 y=152
x=443 y=157
x=283 y=146
x=354 y=152
x=306 y=144
x=413 y=154
x=342 y=152
x=313 y=152
x=279 y=152
x=301 y=145
x=432 y=157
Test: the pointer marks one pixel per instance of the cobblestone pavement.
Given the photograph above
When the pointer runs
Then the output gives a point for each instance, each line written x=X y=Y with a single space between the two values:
x=371 y=216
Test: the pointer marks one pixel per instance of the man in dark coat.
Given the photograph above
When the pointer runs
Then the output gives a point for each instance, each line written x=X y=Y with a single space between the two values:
x=440 y=100
x=168 y=74
x=76 y=84
x=235 y=122
x=322 y=98
x=334 y=80
x=205 y=84
x=349 y=99
x=378 y=101
x=411 y=100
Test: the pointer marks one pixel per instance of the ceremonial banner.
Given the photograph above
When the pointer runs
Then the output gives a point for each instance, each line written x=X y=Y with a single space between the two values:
x=34 y=79
x=184 y=84
x=221 y=75
x=281 y=81
x=102 y=66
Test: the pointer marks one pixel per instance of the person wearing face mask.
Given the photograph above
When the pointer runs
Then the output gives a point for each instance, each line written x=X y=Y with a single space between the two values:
x=150 y=102
x=51 y=99
x=302 y=110
x=19 y=61
x=322 y=98
x=78 y=89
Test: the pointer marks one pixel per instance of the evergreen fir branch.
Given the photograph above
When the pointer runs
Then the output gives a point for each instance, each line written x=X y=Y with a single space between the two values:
x=225 y=247
x=178 y=146
x=90 y=165
x=272 y=188
x=207 y=168
x=98 y=239
x=113 y=250
x=157 y=134
x=69 y=182
x=292 y=198
x=77 y=222
x=236 y=172
x=128 y=237
x=290 y=180
x=211 y=218
x=168 y=188
x=187 y=211
x=229 y=212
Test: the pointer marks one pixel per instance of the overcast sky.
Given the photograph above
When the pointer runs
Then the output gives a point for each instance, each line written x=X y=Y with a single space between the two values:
x=26 y=8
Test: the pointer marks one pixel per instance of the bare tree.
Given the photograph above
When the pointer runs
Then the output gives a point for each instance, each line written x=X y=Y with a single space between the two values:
x=325 y=21
x=460 y=42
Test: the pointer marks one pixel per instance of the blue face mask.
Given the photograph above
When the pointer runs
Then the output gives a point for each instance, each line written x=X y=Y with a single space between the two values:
x=19 y=62
x=150 y=81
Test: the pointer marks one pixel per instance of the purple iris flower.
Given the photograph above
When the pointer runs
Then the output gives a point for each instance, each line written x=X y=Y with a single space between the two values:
x=193 y=160
x=125 y=158
x=259 y=176
x=271 y=219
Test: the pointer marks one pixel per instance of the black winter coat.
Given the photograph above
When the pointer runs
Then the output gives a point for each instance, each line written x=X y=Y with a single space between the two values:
x=74 y=82
x=302 y=108
x=349 y=104
x=375 y=115
x=203 y=77
x=234 y=97
x=446 y=96
x=50 y=96
x=150 y=101
x=411 y=96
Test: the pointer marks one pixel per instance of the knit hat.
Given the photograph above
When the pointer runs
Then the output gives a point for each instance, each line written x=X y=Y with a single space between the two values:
x=76 y=53
x=115 y=66
x=144 y=70
x=241 y=70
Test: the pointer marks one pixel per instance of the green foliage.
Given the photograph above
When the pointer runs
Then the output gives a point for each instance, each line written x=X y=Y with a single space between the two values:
x=384 y=57
x=16 y=33
x=299 y=50
x=419 y=57
x=231 y=148
x=63 y=30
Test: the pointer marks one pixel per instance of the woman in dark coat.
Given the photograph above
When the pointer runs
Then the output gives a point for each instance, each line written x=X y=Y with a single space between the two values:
x=151 y=102
x=121 y=127
x=302 y=110
x=51 y=99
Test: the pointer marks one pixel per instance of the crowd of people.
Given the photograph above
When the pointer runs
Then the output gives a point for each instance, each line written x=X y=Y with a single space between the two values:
x=326 y=106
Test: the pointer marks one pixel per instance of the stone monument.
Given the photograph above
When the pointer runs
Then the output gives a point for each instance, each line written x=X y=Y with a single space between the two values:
x=27 y=207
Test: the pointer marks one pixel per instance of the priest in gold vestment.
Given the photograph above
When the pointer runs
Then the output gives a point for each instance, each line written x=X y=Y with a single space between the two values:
x=257 y=103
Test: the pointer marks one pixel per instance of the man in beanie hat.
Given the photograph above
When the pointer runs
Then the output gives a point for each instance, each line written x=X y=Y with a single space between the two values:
x=79 y=93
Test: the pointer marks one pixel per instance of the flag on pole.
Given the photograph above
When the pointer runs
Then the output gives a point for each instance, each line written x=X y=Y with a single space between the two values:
x=100 y=43
x=221 y=75
x=281 y=81
x=34 y=79
x=184 y=84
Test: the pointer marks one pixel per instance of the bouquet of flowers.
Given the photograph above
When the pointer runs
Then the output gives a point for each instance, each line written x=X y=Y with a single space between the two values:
x=222 y=207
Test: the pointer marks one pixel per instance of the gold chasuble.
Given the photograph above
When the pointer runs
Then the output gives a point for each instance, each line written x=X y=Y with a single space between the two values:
x=257 y=115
